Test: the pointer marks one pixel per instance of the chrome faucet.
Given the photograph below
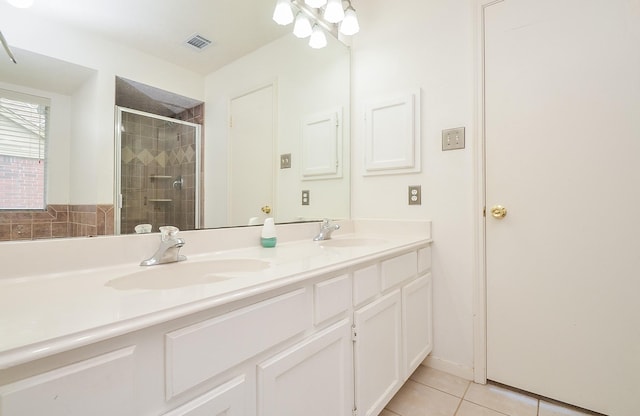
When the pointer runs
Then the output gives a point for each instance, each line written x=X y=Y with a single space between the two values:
x=170 y=245
x=326 y=228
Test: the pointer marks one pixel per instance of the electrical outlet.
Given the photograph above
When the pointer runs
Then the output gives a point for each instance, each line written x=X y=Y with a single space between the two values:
x=453 y=139
x=415 y=195
x=285 y=161
x=305 y=197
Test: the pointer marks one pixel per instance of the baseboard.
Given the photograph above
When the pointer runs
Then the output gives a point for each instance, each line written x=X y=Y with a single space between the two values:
x=449 y=367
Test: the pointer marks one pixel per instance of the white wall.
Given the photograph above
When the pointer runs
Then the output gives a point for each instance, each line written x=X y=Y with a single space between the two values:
x=92 y=166
x=425 y=44
x=308 y=81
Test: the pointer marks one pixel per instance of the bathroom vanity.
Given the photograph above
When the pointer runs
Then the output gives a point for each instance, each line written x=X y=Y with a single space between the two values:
x=307 y=328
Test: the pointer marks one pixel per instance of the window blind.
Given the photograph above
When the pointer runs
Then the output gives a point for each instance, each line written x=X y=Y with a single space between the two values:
x=23 y=125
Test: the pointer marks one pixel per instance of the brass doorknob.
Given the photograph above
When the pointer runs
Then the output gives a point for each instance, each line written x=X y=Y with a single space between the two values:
x=498 y=212
x=266 y=209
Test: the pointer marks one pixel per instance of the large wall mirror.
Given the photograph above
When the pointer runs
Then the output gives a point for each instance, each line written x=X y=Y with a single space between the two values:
x=268 y=98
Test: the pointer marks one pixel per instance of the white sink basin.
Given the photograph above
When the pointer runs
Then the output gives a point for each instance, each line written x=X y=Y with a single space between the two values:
x=352 y=242
x=174 y=275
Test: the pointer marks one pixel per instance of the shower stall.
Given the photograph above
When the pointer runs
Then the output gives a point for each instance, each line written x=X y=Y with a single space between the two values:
x=158 y=174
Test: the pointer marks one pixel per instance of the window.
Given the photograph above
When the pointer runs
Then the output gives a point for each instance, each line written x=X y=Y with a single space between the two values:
x=24 y=122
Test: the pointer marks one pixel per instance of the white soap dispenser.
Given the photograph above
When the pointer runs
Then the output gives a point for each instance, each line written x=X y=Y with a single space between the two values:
x=268 y=236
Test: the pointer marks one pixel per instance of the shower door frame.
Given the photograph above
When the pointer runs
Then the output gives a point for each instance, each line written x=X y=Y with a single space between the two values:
x=118 y=162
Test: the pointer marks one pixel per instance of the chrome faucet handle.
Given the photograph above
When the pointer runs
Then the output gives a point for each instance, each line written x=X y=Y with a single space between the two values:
x=168 y=232
x=326 y=228
x=169 y=250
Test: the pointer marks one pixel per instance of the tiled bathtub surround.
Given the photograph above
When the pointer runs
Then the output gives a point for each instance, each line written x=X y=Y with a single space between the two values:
x=57 y=221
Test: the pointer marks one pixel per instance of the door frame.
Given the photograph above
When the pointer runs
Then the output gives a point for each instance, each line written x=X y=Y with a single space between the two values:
x=479 y=190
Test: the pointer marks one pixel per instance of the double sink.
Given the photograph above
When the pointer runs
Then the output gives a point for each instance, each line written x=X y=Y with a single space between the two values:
x=188 y=273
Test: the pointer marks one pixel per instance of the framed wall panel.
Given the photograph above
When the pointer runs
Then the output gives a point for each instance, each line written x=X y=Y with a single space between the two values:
x=321 y=145
x=392 y=135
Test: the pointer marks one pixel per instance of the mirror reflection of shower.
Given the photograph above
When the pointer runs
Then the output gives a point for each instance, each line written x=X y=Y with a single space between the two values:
x=159 y=164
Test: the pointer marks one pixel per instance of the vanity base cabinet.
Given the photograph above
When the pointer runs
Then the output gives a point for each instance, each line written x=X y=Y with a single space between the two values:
x=312 y=378
x=338 y=344
x=377 y=353
x=393 y=332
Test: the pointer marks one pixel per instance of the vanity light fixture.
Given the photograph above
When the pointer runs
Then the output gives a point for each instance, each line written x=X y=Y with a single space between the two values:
x=302 y=28
x=315 y=17
x=316 y=4
x=318 y=39
x=350 y=26
x=283 y=15
x=334 y=13
x=21 y=4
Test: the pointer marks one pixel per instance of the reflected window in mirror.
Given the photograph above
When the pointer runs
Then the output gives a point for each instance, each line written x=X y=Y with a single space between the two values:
x=24 y=122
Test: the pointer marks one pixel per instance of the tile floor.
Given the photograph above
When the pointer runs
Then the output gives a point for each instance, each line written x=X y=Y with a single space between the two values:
x=431 y=392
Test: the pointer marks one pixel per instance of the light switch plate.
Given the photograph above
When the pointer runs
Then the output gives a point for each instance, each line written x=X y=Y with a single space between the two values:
x=453 y=139
x=415 y=195
x=305 y=197
x=285 y=161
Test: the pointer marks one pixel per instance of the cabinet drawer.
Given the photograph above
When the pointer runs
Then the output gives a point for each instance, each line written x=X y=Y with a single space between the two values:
x=102 y=385
x=331 y=298
x=229 y=398
x=424 y=259
x=366 y=284
x=399 y=269
x=201 y=351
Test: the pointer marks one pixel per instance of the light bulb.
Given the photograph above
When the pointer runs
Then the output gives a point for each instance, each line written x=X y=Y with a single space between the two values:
x=283 y=15
x=318 y=39
x=302 y=27
x=21 y=4
x=315 y=3
x=349 y=25
x=334 y=13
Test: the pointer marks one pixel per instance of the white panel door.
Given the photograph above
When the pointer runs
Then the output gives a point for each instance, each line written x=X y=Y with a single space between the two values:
x=562 y=82
x=251 y=158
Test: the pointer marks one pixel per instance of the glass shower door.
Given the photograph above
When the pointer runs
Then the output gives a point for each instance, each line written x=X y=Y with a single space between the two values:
x=158 y=174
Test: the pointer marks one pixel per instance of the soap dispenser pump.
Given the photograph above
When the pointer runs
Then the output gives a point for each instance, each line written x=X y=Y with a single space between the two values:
x=268 y=235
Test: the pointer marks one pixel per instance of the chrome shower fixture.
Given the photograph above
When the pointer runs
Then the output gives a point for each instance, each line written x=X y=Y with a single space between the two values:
x=178 y=183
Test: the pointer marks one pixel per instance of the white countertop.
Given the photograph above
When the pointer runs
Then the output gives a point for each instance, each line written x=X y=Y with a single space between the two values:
x=46 y=314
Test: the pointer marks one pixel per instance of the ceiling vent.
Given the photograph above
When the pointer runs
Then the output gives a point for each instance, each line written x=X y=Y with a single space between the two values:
x=198 y=41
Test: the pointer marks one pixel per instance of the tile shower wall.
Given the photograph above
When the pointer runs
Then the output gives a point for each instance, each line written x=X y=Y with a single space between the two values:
x=158 y=172
x=57 y=221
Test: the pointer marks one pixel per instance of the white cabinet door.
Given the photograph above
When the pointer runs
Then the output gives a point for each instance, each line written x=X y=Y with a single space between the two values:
x=227 y=400
x=313 y=378
x=417 y=328
x=378 y=354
